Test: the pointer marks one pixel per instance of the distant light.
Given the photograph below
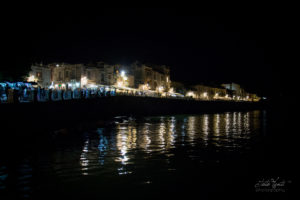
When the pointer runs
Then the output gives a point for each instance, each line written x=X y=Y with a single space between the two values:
x=120 y=84
x=205 y=94
x=160 y=89
x=122 y=73
x=92 y=86
x=77 y=84
x=83 y=81
x=31 y=78
x=57 y=65
x=264 y=97
x=190 y=94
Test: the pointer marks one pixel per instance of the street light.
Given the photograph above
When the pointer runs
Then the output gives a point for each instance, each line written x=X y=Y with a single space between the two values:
x=122 y=73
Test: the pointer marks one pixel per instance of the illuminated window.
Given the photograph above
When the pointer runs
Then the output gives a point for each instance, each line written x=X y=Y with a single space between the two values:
x=39 y=74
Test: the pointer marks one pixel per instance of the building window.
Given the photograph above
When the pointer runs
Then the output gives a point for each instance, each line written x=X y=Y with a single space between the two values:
x=39 y=74
x=59 y=76
x=73 y=74
x=89 y=75
x=67 y=74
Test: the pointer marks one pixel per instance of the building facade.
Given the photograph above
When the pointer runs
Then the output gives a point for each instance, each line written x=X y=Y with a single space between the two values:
x=151 y=77
x=209 y=93
x=64 y=75
x=40 y=74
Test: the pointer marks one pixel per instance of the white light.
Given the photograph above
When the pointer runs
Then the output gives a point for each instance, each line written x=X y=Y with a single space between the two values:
x=122 y=73
x=190 y=94
x=205 y=94
x=31 y=78
x=57 y=65
x=83 y=81
x=77 y=84
x=92 y=86
x=70 y=84
x=125 y=78
x=63 y=85
x=119 y=83
x=160 y=89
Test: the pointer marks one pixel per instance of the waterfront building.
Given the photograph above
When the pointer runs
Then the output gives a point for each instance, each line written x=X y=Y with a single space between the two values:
x=151 y=77
x=107 y=73
x=67 y=75
x=209 y=93
x=178 y=87
x=40 y=74
x=238 y=93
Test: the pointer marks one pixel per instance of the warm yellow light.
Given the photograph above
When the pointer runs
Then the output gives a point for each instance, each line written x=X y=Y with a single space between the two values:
x=205 y=94
x=120 y=83
x=83 y=81
x=160 y=89
x=31 y=79
x=190 y=94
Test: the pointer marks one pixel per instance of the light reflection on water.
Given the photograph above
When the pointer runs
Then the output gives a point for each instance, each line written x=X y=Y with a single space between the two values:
x=136 y=146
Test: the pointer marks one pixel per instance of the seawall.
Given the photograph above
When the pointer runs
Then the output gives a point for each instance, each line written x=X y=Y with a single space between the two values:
x=105 y=107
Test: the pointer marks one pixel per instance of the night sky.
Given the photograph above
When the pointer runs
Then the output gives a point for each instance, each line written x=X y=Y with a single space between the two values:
x=243 y=47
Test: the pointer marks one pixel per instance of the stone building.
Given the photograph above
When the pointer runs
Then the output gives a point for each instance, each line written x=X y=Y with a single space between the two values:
x=152 y=77
x=67 y=74
x=237 y=93
x=107 y=73
x=40 y=74
x=209 y=93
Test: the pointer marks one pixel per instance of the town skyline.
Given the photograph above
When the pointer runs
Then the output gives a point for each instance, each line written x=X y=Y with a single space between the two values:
x=198 y=48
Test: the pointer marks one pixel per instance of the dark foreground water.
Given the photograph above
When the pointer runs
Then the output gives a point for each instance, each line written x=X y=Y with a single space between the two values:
x=185 y=156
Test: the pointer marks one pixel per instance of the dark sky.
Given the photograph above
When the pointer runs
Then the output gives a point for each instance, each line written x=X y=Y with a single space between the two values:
x=242 y=47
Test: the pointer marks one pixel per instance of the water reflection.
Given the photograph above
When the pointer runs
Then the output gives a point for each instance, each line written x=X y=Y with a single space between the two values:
x=162 y=134
x=130 y=145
